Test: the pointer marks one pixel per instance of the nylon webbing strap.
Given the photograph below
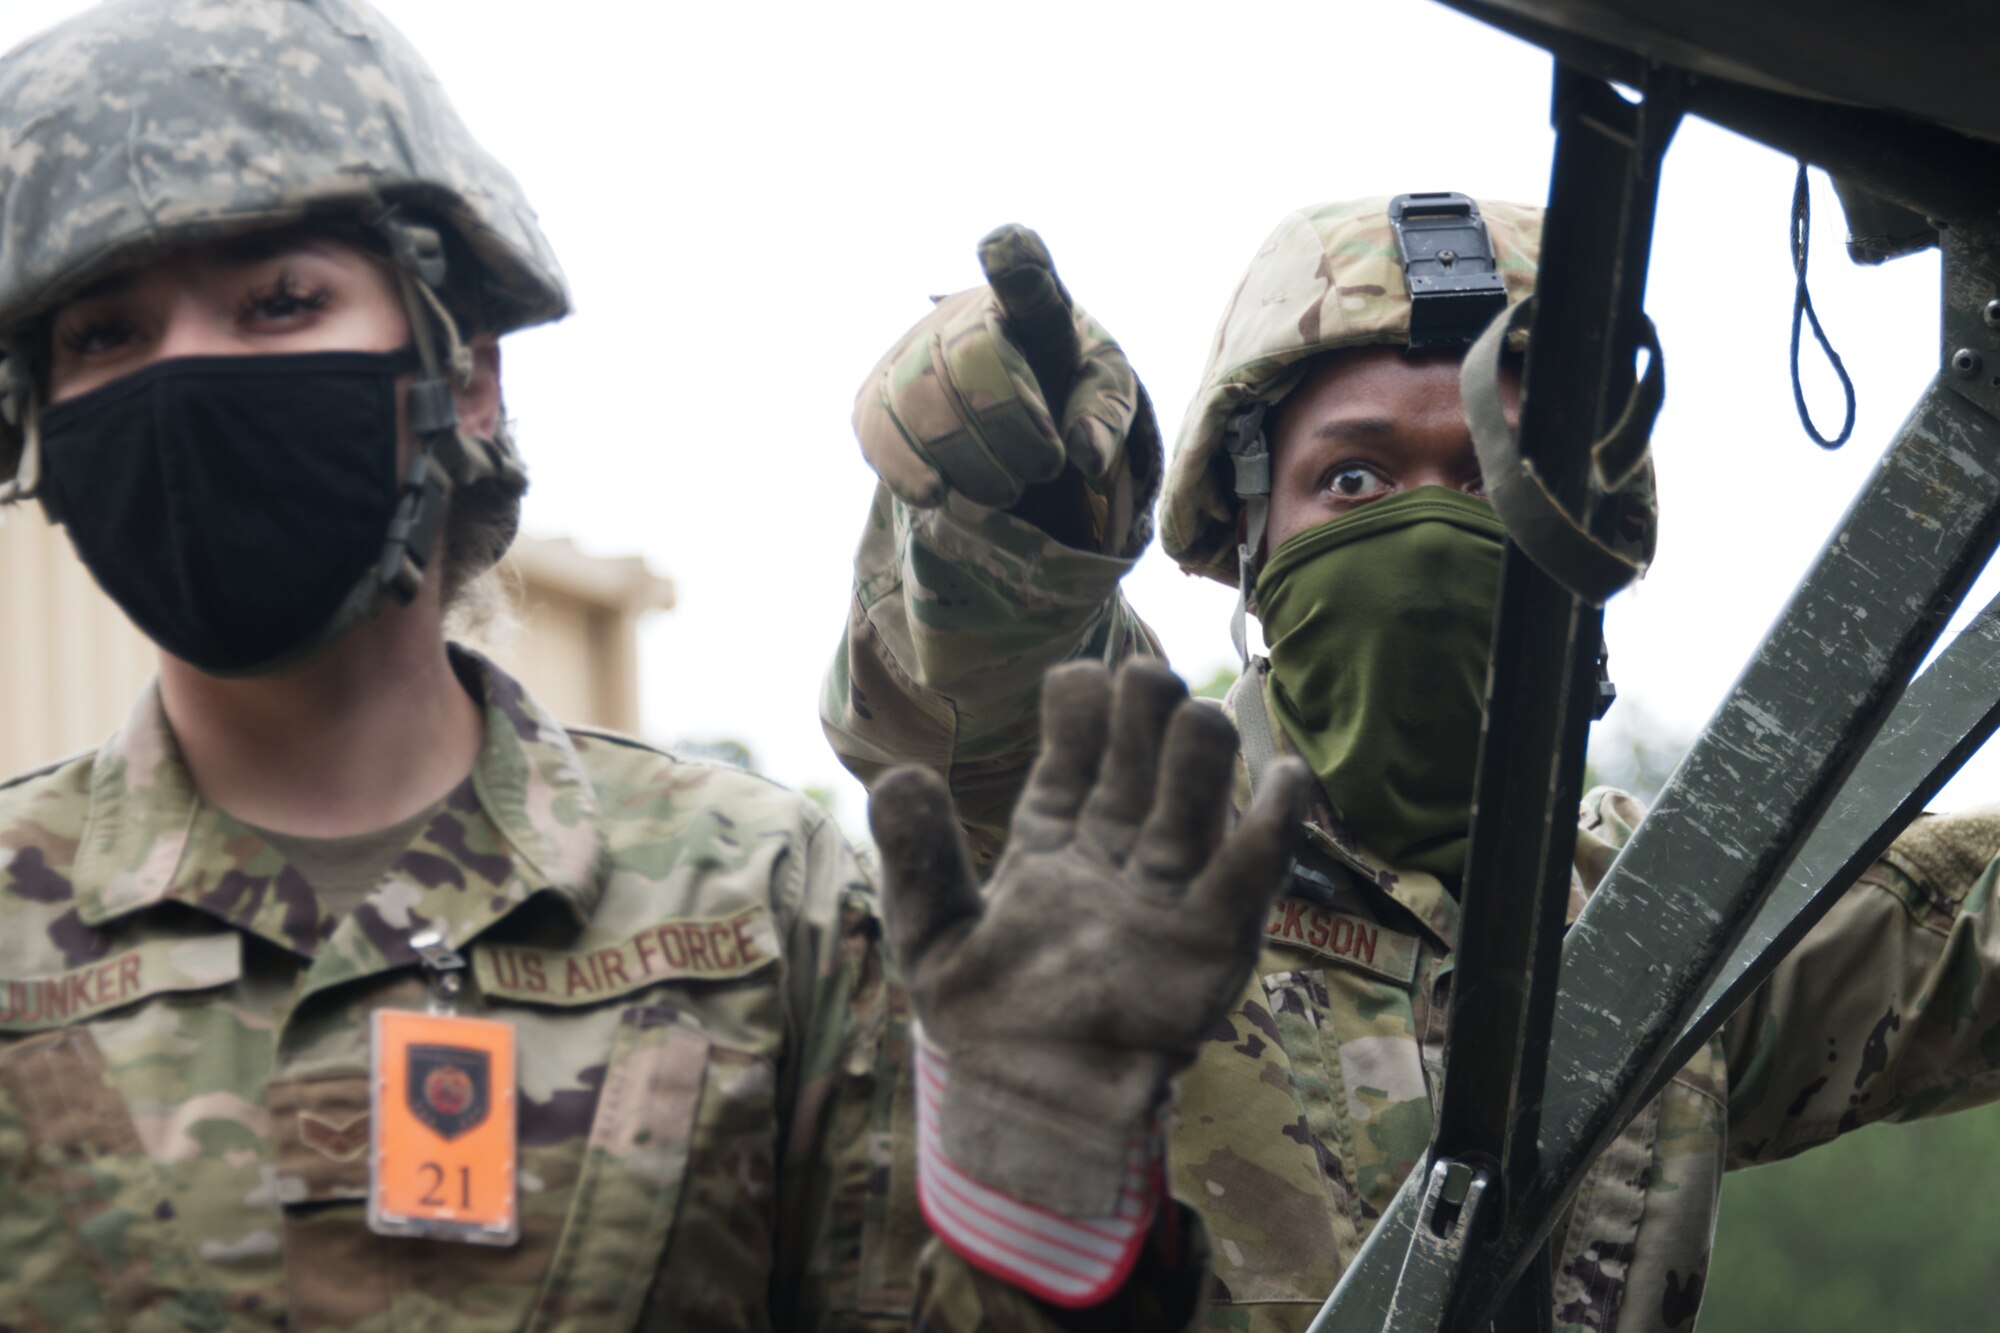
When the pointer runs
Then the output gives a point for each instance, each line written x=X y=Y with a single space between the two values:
x=441 y=457
x=1253 y=723
x=28 y=469
x=19 y=408
x=1546 y=532
x=1250 y=459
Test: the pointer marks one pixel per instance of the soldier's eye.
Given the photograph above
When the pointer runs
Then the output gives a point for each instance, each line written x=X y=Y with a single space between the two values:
x=93 y=336
x=285 y=299
x=1356 y=481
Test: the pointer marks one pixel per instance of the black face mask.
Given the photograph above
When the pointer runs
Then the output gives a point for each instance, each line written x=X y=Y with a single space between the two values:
x=231 y=505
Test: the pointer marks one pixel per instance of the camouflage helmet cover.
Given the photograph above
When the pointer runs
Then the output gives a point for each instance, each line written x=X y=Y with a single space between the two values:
x=1328 y=278
x=142 y=125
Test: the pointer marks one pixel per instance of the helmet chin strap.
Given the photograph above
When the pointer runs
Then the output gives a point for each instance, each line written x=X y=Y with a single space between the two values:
x=1250 y=456
x=21 y=406
x=433 y=410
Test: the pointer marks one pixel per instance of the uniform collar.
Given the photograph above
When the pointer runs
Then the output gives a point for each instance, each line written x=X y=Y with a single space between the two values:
x=1423 y=895
x=525 y=822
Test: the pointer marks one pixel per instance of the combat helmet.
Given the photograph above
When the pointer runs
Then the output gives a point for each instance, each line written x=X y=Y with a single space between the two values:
x=1330 y=277
x=140 y=126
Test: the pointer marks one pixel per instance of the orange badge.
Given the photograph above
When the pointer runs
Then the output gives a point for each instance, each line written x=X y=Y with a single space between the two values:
x=442 y=1097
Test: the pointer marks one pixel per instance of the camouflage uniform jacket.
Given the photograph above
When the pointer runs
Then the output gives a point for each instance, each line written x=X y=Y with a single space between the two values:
x=1302 y=1118
x=691 y=962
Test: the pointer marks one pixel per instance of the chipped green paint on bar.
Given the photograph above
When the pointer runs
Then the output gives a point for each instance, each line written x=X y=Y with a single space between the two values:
x=1950 y=711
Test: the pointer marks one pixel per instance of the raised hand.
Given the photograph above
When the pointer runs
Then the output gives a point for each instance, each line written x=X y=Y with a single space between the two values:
x=999 y=387
x=1121 y=923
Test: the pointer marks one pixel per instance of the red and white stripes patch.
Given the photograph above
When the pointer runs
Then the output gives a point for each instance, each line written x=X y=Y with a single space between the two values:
x=1067 y=1261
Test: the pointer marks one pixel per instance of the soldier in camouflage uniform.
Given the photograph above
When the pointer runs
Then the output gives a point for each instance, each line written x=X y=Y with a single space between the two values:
x=225 y=224
x=994 y=548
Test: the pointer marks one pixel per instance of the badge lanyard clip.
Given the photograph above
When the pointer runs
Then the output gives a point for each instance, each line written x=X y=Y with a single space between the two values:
x=444 y=968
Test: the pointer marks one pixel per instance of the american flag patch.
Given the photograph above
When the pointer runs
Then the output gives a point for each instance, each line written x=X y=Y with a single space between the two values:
x=1066 y=1261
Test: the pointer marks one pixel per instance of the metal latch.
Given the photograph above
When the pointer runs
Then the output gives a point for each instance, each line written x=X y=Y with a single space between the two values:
x=1445 y=1225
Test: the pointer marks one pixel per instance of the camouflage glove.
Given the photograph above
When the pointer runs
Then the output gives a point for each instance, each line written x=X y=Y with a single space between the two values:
x=1119 y=927
x=998 y=387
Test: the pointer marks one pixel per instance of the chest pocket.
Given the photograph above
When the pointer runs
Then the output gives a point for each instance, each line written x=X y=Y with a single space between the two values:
x=89 y=1236
x=1356 y=1122
x=633 y=1173
x=649 y=1179
x=85 y=1213
x=1303 y=1112
x=1357 y=1071
x=608 y=1102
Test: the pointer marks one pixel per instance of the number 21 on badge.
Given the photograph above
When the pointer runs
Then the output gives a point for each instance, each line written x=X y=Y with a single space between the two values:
x=441 y=1102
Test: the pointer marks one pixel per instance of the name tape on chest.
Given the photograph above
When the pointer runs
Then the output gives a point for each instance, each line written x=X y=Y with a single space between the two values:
x=686 y=949
x=57 y=999
x=1346 y=939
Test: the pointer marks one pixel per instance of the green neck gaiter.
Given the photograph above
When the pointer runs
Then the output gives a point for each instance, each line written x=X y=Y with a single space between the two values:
x=1379 y=624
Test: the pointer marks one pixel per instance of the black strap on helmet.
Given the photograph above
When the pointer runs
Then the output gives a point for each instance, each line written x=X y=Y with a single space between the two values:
x=1250 y=458
x=421 y=266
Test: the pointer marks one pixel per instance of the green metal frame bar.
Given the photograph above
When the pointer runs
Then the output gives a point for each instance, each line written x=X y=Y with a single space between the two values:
x=1543 y=684
x=1951 y=710
x=1931 y=171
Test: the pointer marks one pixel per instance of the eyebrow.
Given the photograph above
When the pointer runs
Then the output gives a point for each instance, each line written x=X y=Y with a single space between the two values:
x=111 y=285
x=262 y=247
x=239 y=253
x=1354 y=428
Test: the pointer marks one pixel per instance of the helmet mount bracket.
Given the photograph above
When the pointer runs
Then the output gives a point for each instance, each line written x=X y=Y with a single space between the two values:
x=1449 y=268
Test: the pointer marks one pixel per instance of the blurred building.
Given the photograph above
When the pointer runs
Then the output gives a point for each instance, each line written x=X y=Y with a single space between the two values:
x=71 y=665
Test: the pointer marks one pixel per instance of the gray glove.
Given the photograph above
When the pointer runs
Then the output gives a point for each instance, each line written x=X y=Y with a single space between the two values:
x=998 y=387
x=1119 y=926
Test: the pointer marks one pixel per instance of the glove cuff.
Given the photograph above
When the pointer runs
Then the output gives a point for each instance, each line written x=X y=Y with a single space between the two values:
x=1065 y=1259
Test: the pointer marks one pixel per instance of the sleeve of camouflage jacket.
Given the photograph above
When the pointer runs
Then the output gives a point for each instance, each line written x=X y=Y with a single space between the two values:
x=957 y=612
x=866 y=1260
x=1887 y=1010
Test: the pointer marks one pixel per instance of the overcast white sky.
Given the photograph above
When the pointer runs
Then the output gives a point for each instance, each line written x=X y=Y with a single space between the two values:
x=752 y=201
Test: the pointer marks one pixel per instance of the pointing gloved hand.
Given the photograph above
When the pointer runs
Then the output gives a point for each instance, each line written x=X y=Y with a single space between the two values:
x=1119 y=926
x=999 y=387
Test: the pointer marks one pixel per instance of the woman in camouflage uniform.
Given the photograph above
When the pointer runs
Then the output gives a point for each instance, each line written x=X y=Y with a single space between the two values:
x=253 y=272
x=994 y=549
